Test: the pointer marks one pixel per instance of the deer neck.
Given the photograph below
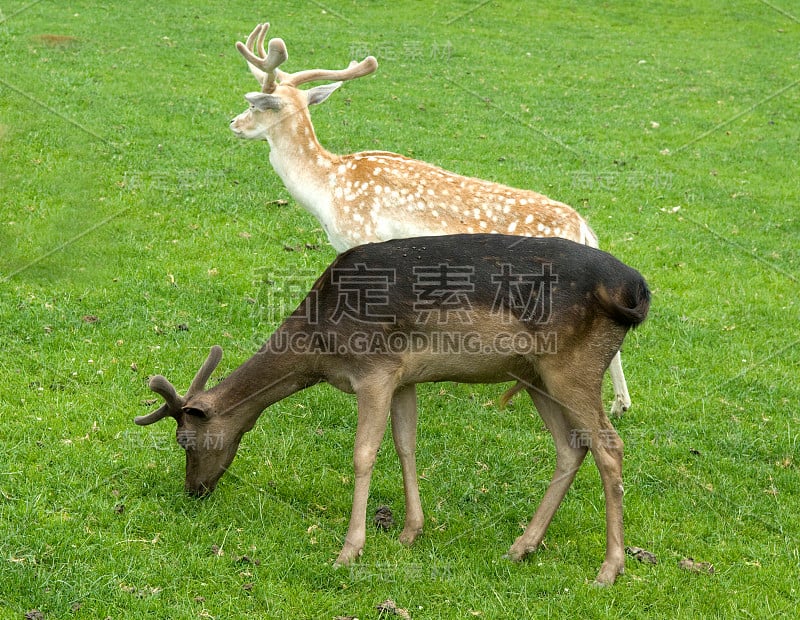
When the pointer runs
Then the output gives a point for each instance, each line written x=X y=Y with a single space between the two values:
x=300 y=160
x=275 y=372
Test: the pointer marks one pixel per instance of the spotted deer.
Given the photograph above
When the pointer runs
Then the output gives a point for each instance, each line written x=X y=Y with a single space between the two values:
x=547 y=313
x=375 y=195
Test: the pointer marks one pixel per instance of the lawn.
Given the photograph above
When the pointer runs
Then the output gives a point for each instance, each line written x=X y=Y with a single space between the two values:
x=136 y=231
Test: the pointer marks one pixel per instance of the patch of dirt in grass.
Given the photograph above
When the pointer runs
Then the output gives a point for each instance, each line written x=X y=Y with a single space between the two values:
x=693 y=566
x=390 y=608
x=55 y=40
x=143 y=592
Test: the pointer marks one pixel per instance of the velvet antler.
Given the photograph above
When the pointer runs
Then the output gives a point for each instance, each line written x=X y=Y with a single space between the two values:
x=174 y=402
x=264 y=64
x=353 y=71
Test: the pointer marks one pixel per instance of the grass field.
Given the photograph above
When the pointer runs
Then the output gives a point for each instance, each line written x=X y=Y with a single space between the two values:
x=136 y=231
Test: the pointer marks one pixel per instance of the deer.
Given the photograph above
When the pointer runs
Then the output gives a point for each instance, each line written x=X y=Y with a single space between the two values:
x=376 y=195
x=546 y=313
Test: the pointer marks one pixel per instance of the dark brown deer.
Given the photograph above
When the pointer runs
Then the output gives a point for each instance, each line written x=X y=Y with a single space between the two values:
x=547 y=313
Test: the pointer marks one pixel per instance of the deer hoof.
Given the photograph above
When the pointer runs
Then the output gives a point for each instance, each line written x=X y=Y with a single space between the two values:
x=608 y=574
x=619 y=406
x=518 y=553
x=409 y=535
x=347 y=556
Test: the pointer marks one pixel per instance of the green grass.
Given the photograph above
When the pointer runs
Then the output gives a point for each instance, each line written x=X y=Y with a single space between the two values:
x=136 y=232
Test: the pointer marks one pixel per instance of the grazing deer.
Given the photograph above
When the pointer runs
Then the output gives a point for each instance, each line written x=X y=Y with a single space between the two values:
x=549 y=314
x=375 y=195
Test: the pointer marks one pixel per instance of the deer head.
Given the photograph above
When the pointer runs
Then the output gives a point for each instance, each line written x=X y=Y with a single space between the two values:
x=203 y=433
x=280 y=98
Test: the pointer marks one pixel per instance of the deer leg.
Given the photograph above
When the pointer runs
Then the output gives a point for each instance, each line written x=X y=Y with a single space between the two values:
x=373 y=414
x=569 y=456
x=622 y=400
x=607 y=450
x=404 y=433
x=582 y=412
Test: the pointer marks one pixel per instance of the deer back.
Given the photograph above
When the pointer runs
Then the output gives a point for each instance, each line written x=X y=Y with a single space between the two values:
x=493 y=297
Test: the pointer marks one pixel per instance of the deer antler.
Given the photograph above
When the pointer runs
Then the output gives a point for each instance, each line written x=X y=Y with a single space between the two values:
x=263 y=65
x=174 y=402
x=200 y=379
x=355 y=70
x=166 y=390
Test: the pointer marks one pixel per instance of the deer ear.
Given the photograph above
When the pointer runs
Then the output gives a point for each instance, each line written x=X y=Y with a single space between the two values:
x=264 y=101
x=318 y=94
x=200 y=407
x=195 y=412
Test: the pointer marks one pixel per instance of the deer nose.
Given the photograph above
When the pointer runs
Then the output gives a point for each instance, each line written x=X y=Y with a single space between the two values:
x=200 y=491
